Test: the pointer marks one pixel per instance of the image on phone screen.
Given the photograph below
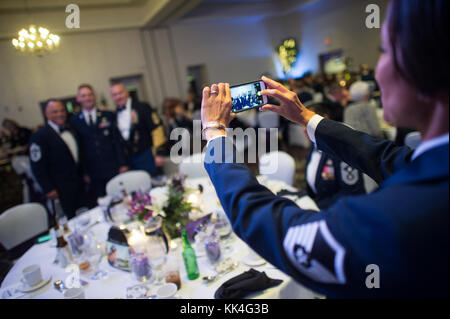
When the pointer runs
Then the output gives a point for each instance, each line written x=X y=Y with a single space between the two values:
x=247 y=96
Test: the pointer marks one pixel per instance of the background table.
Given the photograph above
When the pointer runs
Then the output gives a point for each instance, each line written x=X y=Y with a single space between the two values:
x=116 y=283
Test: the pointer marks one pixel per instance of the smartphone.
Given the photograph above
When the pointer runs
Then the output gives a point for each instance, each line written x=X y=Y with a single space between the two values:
x=247 y=96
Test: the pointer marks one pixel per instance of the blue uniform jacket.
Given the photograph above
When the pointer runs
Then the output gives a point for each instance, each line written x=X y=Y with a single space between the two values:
x=52 y=163
x=395 y=238
x=103 y=154
x=334 y=179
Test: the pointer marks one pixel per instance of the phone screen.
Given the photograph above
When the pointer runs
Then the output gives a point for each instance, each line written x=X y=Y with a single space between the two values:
x=246 y=96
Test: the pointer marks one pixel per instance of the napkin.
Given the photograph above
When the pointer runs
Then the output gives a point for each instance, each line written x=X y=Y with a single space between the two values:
x=244 y=284
x=192 y=226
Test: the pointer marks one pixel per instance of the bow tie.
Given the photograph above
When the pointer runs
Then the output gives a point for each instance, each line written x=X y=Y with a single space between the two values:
x=120 y=108
x=62 y=129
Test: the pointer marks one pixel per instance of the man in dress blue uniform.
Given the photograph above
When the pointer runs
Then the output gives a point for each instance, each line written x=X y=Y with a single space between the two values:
x=138 y=124
x=55 y=159
x=328 y=178
x=99 y=139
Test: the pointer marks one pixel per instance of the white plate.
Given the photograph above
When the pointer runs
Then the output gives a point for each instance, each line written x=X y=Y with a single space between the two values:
x=25 y=288
x=253 y=263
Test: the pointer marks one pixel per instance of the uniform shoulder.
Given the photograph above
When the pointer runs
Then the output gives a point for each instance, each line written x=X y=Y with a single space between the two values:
x=40 y=134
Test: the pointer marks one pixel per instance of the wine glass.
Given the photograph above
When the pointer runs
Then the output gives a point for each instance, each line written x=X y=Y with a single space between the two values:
x=95 y=253
x=224 y=230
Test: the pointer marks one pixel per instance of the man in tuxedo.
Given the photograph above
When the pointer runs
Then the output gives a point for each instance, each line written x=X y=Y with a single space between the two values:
x=55 y=159
x=103 y=156
x=140 y=129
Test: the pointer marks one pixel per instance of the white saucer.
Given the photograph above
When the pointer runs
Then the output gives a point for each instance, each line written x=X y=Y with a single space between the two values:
x=254 y=263
x=25 y=288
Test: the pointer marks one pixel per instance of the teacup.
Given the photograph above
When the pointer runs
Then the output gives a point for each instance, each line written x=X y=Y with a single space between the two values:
x=167 y=291
x=32 y=275
x=74 y=293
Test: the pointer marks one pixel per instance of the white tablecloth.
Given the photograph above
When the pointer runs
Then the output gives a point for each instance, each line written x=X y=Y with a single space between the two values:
x=117 y=281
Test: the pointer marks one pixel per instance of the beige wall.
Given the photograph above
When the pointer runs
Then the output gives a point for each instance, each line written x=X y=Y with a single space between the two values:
x=85 y=57
x=233 y=50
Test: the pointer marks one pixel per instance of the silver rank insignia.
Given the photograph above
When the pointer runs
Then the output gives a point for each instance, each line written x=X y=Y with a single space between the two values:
x=314 y=252
x=35 y=152
x=349 y=174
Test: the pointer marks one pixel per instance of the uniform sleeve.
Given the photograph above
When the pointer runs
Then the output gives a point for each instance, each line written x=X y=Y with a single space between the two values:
x=39 y=163
x=325 y=251
x=377 y=158
x=118 y=145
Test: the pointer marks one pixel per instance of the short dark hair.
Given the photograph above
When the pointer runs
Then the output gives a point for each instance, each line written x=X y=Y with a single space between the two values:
x=321 y=109
x=85 y=85
x=52 y=100
x=113 y=83
x=418 y=34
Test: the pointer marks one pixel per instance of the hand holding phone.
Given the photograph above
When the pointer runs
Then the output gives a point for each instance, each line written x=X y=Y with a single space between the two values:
x=247 y=96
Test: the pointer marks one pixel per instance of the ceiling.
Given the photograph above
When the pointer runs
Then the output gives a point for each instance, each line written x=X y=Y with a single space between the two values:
x=100 y=15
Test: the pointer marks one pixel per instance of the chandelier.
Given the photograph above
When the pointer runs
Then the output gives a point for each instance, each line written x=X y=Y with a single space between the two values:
x=37 y=40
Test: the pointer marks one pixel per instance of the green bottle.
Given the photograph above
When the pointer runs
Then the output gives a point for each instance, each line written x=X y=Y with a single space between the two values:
x=190 y=261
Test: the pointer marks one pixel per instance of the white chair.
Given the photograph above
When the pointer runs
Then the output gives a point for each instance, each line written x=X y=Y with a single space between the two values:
x=21 y=165
x=268 y=119
x=197 y=115
x=248 y=117
x=132 y=181
x=192 y=166
x=412 y=140
x=278 y=165
x=21 y=223
x=297 y=136
x=170 y=167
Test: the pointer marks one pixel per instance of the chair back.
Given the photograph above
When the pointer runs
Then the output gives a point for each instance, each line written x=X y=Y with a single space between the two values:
x=297 y=136
x=21 y=223
x=132 y=181
x=268 y=119
x=278 y=165
x=192 y=166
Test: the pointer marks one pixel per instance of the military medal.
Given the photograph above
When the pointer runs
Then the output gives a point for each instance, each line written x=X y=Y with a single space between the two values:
x=328 y=171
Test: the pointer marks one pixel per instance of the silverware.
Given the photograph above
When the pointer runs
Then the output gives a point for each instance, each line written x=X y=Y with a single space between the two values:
x=59 y=285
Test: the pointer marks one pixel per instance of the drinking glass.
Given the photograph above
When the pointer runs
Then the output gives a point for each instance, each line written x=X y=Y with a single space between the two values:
x=140 y=266
x=95 y=253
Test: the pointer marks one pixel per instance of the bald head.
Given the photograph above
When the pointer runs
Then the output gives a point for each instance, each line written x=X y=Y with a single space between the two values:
x=55 y=111
x=119 y=94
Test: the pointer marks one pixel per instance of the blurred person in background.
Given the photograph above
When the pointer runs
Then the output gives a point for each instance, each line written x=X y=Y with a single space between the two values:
x=361 y=114
x=138 y=123
x=18 y=138
x=100 y=142
x=328 y=178
x=55 y=159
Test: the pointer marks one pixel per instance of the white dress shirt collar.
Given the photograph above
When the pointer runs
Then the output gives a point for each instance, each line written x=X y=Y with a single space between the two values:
x=429 y=144
x=53 y=126
x=93 y=114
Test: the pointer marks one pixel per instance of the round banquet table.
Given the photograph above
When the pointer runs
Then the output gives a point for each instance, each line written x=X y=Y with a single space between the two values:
x=115 y=284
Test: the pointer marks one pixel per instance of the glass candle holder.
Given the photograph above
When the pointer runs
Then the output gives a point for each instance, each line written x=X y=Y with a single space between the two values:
x=140 y=266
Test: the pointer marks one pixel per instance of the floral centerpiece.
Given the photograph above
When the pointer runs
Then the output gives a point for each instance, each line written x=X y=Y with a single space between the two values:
x=140 y=206
x=168 y=202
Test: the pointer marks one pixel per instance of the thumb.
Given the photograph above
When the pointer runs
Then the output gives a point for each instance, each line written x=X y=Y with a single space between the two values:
x=269 y=107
